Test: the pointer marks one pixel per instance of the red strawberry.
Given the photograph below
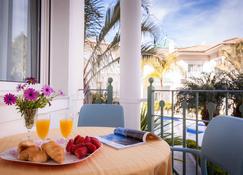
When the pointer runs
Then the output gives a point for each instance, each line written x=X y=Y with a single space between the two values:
x=95 y=141
x=78 y=139
x=87 y=139
x=91 y=147
x=75 y=147
x=69 y=145
x=81 y=152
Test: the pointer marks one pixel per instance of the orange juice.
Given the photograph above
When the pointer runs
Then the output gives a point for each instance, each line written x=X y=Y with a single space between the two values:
x=66 y=126
x=42 y=127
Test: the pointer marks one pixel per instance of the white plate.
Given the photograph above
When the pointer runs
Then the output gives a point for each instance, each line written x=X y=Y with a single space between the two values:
x=11 y=155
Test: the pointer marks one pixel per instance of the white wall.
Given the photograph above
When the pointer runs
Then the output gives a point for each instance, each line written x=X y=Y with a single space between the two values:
x=59 y=50
x=66 y=54
x=67 y=29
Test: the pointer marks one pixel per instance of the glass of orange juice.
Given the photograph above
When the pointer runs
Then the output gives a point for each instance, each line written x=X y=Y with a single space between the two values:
x=66 y=125
x=42 y=125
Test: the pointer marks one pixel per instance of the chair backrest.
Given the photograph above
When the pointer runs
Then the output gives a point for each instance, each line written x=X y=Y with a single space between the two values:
x=223 y=143
x=107 y=115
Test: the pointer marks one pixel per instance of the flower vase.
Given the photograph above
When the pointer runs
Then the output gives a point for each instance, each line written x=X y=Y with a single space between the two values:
x=29 y=119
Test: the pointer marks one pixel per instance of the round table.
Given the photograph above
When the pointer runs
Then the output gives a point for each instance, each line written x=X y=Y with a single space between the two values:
x=151 y=158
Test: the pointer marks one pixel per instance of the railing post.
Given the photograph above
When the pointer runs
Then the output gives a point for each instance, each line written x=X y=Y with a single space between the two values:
x=184 y=108
x=150 y=105
x=197 y=108
x=110 y=91
x=162 y=104
x=211 y=107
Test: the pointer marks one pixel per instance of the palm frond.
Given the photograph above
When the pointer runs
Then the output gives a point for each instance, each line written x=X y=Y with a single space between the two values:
x=151 y=28
x=146 y=5
x=101 y=57
x=148 y=50
x=93 y=17
x=112 y=18
x=109 y=49
x=100 y=68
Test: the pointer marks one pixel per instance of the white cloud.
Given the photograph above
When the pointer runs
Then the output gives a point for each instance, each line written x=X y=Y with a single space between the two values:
x=200 y=25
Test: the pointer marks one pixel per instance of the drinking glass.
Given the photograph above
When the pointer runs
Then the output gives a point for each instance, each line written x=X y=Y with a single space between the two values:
x=66 y=124
x=42 y=125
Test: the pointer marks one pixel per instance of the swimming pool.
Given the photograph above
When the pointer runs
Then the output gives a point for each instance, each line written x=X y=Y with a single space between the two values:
x=191 y=131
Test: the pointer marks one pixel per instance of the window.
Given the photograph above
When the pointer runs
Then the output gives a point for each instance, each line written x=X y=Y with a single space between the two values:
x=194 y=68
x=20 y=39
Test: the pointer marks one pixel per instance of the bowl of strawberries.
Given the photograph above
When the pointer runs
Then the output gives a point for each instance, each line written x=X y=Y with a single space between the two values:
x=83 y=147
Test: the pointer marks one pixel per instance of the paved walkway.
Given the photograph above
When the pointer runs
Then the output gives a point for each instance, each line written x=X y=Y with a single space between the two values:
x=190 y=164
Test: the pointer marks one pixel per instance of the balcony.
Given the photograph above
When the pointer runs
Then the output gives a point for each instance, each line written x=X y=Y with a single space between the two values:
x=55 y=51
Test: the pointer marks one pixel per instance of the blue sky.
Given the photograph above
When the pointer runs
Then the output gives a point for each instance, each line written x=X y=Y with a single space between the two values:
x=187 y=22
x=191 y=22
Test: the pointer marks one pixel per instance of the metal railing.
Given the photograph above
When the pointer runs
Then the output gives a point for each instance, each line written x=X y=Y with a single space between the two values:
x=103 y=95
x=180 y=118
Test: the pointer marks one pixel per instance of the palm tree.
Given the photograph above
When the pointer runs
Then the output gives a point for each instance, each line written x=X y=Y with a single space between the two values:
x=235 y=80
x=161 y=65
x=234 y=55
x=102 y=58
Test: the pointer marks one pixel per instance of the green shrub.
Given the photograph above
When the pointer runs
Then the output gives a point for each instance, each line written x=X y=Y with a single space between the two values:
x=98 y=98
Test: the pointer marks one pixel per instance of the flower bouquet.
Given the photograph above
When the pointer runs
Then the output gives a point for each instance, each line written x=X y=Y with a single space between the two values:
x=29 y=99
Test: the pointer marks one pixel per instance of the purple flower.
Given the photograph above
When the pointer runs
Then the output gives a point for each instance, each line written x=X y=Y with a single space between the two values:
x=47 y=90
x=20 y=87
x=30 y=80
x=60 y=92
x=30 y=94
x=10 y=99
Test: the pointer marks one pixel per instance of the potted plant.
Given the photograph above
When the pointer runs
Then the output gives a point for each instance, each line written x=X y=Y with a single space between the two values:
x=29 y=99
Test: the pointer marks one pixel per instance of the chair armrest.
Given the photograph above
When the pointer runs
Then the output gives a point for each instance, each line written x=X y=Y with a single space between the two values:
x=187 y=150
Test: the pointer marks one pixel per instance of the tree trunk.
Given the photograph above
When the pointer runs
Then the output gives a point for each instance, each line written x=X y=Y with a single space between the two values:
x=161 y=82
x=205 y=114
x=236 y=110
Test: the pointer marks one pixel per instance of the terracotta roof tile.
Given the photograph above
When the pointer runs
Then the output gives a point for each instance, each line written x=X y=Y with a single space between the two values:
x=196 y=48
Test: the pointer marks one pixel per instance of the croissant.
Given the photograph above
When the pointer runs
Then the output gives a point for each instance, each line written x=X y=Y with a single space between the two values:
x=55 y=151
x=25 y=144
x=24 y=155
x=39 y=156
x=33 y=154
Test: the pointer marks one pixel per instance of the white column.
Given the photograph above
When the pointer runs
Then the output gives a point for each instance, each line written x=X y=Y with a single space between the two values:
x=130 y=52
x=76 y=45
x=67 y=41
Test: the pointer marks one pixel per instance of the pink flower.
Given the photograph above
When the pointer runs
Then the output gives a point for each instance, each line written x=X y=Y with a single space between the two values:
x=47 y=90
x=31 y=80
x=30 y=94
x=10 y=99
